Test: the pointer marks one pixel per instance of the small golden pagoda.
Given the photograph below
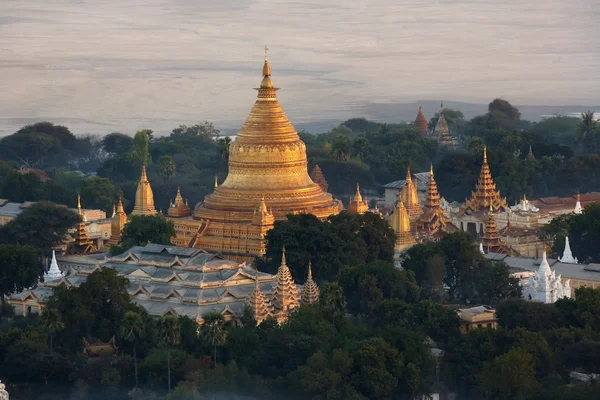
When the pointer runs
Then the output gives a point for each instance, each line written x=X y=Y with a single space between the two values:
x=433 y=223
x=286 y=297
x=267 y=162
x=317 y=176
x=310 y=292
x=401 y=225
x=490 y=239
x=82 y=243
x=485 y=194
x=179 y=207
x=408 y=196
x=144 y=198
x=357 y=205
x=259 y=305
x=421 y=124
x=117 y=224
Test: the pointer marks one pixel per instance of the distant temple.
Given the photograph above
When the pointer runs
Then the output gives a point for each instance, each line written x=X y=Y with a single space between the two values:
x=317 y=176
x=441 y=133
x=433 y=222
x=357 y=205
x=421 y=124
x=81 y=243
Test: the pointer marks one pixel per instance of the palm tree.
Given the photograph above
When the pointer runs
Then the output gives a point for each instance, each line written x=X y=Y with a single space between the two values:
x=132 y=329
x=333 y=300
x=169 y=335
x=588 y=123
x=52 y=323
x=213 y=331
x=223 y=149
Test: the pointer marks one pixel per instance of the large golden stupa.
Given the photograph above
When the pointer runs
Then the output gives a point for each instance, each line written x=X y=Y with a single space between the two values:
x=267 y=180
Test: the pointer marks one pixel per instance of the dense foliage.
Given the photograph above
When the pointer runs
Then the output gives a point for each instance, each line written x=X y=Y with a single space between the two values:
x=144 y=229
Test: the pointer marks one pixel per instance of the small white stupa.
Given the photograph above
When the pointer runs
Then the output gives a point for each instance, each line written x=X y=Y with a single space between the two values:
x=54 y=273
x=578 y=209
x=544 y=286
x=3 y=392
x=481 y=248
x=567 y=256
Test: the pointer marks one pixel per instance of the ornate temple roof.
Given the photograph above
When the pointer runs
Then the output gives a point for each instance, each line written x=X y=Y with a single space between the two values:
x=179 y=207
x=421 y=124
x=433 y=222
x=286 y=296
x=144 y=198
x=485 y=193
x=357 y=205
x=441 y=133
x=408 y=195
x=81 y=243
x=317 y=176
x=310 y=292
x=490 y=237
x=260 y=306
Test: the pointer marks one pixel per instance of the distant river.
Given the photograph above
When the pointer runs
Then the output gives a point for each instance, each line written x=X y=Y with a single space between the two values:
x=114 y=65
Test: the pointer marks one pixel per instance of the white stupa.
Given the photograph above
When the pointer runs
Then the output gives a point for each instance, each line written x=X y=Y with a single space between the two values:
x=54 y=273
x=3 y=392
x=481 y=248
x=578 y=209
x=567 y=256
x=544 y=286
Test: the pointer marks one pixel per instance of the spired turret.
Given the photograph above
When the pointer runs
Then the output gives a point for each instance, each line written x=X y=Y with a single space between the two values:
x=401 y=225
x=357 y=205
x=567 y=256
x=421 y=124
x=317 y=176
x=3 y=392
x=54 y=273
x=81 y=244
x=433 y=222
x=310 y=292
x=117 y=224
x=259 y=305
x=178 y=208
x=578 y=209
x=485 y=193
x=409 y=197
x=490 y=238
x=266 y=159
x=286 y=297
x=144 y=198
x=441 y=133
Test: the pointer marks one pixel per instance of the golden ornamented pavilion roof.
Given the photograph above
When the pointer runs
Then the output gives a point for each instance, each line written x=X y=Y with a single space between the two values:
x=144 y=198
x=286 y=297
x=357 y=205
x=485 y=193
x=433 y=222
x=267 y=158
x=310 y=292
x=259 y=304
x=179 y=207
x=490 y=238
x=82 y=243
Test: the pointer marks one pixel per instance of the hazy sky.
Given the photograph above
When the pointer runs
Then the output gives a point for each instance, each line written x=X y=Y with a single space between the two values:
x=107 y=65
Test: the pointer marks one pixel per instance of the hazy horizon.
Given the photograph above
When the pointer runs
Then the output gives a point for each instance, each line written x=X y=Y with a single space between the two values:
x=122 y=66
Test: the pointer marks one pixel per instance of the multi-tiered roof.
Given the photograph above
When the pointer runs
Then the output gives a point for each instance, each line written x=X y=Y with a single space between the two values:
x=260 y=306
x=357 y=205
x=317 y=176
x=81 y=244
x=179 y=208
x=441 y=133
x=310 y=292
x=485 y=194
x=490 y=238
x=408 y=195
x=433 y=222
x=286 y=297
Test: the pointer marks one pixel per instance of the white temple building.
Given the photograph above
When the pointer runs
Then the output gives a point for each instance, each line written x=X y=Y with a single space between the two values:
x=544 y=286
x=567 y=256
x=54 y=273
x=578 y=208
x=3 y=392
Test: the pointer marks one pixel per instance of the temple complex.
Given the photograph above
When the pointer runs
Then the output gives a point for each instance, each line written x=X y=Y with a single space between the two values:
x=409 y=196
x=267 y=163
x=357 y=205
x=179 y=208
x=485 y=193
x=118 y=222
x=144 y=198
x=421 y=124
x=433 y=223
x=317 y=176
x=441 y=133
x=81 y=243
x=544 y=286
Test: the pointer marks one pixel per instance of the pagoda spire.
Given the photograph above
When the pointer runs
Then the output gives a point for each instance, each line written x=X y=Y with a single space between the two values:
x=144 y=198
x=567 y=256
x=79 y=205
x=310 y=293
x=82 y=243
x=578 y=209
x=259 y=305
x=286 y=297
x=317 y=176
x=54 y=272
x=433 y=197
x=114 y=211
x=485 y=193
x=357 y=205
x=421 y=124
x=117 y=224
x=178 y=208
x=401 y=224
x=409 y=196
x=216 y=181
x=530 y=155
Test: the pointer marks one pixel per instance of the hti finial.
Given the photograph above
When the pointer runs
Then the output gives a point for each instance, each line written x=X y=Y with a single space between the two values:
x=266 y=51
x=431 y=169
x=484 y=153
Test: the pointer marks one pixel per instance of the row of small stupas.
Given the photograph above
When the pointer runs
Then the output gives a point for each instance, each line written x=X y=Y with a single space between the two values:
x=180 y=281
x=440 y=132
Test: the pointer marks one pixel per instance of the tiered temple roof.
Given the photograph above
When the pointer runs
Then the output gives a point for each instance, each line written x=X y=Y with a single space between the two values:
x=530 y=156
x=144 y=198
x=421 y=124
x=485 y=194
x=408 y=195
x=490 y=238
x=179 y=208
x=260 y=306
x=441 y=133
x=286 y=297
x=310 y=292
x=433 y=222
x=357 y=205
x=82 y=243
x=317 y=176
x=118 y=222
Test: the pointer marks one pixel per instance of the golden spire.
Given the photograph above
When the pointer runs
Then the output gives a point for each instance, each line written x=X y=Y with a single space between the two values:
x=409 y=196
x=259 y=305
x=144 y=198
x=485 y=193
x=178 y=208
x=357 y=205
x=433 y=197
x=408 y=176
x=120 y=206
x=79 y=204
x=421 y=124
x=286 y=297
x=118 y=222
x=484 y=154
x=216 y=181
x=310 y=292
x=317 y=176
x=357 y=195
x=401 y=224
x=82 y=243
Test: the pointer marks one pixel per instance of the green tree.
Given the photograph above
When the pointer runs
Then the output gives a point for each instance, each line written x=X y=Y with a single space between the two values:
x=361 y=147
x=223 y=145
x=333 y=300
x=99 y=193
x=213 y=331
x=340 y=147
x=144 y=229
x=140 y=148
x=166 y=167
x=509 y=376
x=169 y=335
x=132 y=330
x=19 y=269
x=43 y=225
x=117 y=143
x=52 y=323
x=587 y=123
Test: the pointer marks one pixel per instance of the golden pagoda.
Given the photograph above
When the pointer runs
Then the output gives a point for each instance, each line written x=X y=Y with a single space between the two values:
x=179 y=207
x=440 y=132
x=433 y=222
x=485 y=194
x=401 y=225
x=317 y=176
x=144 y=198
x=267 y=162
x=357 y=205
x=117 y=224
x=490 y=239
x=421 y=124
x=408 y=195
x=310 y=292
x=82 y=243
x=259 y=305
x=286 y=297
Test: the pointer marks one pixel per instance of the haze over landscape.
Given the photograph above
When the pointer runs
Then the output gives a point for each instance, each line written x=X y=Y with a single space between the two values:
x=103 y=66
